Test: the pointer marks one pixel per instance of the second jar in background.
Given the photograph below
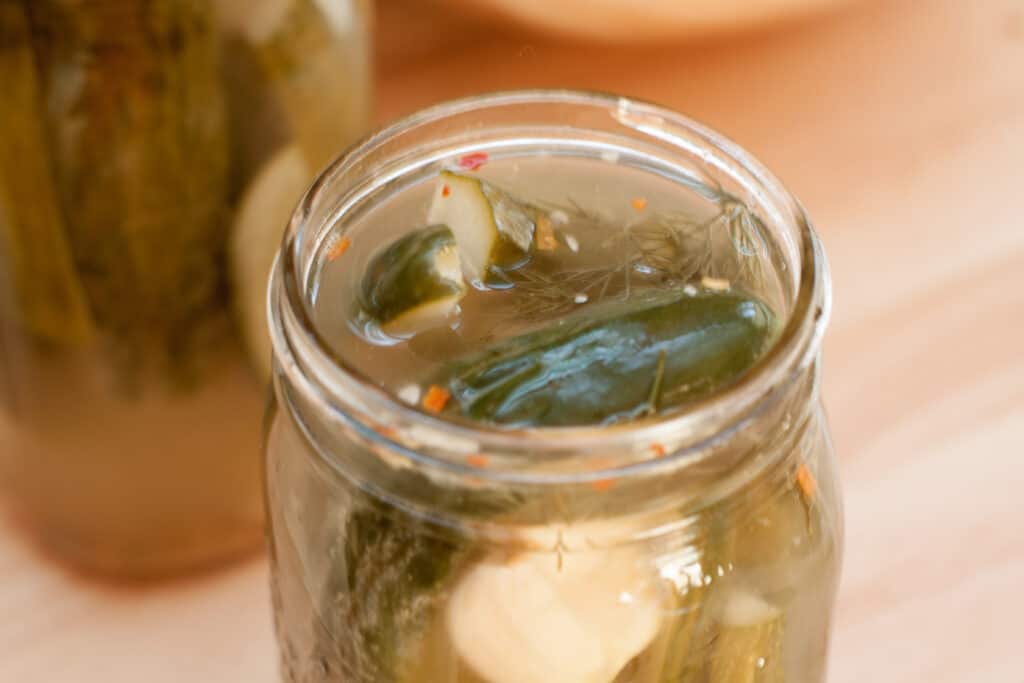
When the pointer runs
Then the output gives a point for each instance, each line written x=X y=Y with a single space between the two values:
x=151 y=152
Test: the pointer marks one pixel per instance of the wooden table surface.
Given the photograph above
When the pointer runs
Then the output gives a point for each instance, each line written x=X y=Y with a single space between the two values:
x=900 y=125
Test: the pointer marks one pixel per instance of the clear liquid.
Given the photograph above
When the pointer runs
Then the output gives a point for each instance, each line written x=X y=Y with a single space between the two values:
x=613 y=238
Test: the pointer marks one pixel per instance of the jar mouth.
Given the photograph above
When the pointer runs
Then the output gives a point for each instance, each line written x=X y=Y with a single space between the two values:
x=306 y=362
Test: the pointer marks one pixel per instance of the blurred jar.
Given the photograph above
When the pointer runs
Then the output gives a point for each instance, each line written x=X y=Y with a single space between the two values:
x=151 y=152
x=702 y=545
x=630 y=21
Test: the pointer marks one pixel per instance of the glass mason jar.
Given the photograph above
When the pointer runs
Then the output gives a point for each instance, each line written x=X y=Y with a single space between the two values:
x=699 y=544
x=151 y=152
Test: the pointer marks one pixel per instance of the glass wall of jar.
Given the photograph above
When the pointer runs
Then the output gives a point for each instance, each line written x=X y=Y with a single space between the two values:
x=700 y=543
x=151 y=152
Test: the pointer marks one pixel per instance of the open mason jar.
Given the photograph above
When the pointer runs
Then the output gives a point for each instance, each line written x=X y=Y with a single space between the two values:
x=151 y=152
x=536 y=540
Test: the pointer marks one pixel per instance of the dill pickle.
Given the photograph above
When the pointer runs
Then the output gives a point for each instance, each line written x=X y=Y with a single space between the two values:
x=748 y=645
x=494 y=230
x=48 y=299
x=414 y=283
x=613 y=365
x=696 y=586
x=388 y=581
x=140 y=155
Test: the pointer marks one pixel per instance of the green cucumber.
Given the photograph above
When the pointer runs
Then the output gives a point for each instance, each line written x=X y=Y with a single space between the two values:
x=389 y=579
x=748 y=645
x=415 y=283
x=494 y=231
x=615 y=364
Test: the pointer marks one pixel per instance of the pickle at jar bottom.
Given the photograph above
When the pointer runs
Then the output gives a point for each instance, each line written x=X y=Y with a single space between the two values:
x=547 y=407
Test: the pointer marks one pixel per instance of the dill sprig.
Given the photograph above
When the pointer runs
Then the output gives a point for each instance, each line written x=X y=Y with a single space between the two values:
x=657 y=250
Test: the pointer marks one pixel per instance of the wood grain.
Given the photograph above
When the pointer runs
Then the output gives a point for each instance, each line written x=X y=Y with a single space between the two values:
x=901 y=126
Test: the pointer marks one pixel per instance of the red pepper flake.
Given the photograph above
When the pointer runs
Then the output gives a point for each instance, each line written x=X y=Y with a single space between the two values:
x=436 y=399
x=473 y=161
x=659 y=450
x=478 y=460
x=639 y=203
x=602 y=485
x=805 y=480
x=445 y=190
x=388 y=432
x=339 y=248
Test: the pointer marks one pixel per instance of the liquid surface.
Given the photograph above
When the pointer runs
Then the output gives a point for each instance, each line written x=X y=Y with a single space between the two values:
x=605 y=240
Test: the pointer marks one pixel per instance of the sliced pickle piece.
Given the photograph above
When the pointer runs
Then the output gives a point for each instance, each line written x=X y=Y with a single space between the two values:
x=415 y=283
x=540 y=617
x=620 y=362
x=494 y=231
x=48 y=297
x=259 y=226
x=748 y=646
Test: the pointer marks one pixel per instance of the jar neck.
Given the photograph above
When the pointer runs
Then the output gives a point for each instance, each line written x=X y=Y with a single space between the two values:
x=710 y=448
x=407 y=469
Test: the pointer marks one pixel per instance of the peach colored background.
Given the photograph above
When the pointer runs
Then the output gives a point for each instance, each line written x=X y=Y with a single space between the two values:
x=900 y=124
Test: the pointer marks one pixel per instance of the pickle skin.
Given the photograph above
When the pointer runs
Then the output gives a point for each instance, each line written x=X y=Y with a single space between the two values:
x=388 y=579
x=382 y=594
x=417 y=271
x=44 y=291
x=140 y=155
x=599 y=368
x=749 y=651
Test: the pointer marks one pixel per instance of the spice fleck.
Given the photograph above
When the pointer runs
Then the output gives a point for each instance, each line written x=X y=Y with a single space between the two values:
x=478 y=460
x=436 y=399
x=473 y=161
x=806 y=481
x=339 y=248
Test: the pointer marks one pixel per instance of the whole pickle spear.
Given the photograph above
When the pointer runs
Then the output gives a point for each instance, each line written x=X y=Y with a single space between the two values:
x=615 y=364
x=383 y=594
x=389 y=580
x=748 y=646
x=48 y=299
x=140 y=156
x=693 y=629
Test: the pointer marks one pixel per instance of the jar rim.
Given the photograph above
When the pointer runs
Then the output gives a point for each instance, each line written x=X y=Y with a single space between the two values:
x=300 y=350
